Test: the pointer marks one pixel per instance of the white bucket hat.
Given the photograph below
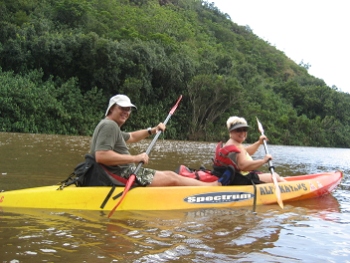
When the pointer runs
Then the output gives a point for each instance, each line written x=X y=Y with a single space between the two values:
x=121 y=100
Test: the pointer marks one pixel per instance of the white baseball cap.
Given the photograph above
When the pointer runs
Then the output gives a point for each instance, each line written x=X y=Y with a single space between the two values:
x=121 y=100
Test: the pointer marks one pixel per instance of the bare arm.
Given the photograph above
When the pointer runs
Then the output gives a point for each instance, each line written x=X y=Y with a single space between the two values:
x=139 y=135
x=251 y=149
x=111 y=158
x=245 y=164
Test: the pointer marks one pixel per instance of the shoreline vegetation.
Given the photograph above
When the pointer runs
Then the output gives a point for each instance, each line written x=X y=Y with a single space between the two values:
x=60 y=62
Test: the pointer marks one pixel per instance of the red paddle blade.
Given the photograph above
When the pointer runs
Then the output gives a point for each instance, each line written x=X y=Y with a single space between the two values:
x=129 y=183
x=175 y=106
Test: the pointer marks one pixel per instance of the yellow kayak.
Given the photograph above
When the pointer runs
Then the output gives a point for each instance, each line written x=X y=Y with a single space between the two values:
x=170 y=198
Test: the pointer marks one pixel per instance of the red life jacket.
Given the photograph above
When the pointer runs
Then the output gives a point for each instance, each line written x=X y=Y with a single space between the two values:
x=201 y=175
x=221 y=162
x=221 y=155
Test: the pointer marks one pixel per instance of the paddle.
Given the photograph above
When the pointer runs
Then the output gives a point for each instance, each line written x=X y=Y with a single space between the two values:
x=133 y=175
x=271 y=168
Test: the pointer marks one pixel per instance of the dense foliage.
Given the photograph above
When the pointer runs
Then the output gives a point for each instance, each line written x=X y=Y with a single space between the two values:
x=61 y=61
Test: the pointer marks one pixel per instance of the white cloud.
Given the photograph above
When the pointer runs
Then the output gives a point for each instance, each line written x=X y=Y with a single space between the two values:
x=309 y=30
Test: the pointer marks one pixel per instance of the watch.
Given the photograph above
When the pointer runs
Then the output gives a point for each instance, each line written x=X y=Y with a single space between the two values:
x=149 y=130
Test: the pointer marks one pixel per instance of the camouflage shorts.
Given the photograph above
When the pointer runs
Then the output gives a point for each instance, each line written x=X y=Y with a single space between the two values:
x=144 y=176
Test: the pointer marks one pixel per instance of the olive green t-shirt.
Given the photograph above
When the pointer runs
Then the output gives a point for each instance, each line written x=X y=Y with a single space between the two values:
x=108 y=136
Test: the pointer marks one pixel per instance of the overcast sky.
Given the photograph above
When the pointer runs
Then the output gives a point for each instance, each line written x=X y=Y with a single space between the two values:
x=315 y=32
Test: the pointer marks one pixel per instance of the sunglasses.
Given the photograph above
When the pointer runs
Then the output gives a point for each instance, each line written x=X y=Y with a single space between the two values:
x=126 y=109
x=241 y=130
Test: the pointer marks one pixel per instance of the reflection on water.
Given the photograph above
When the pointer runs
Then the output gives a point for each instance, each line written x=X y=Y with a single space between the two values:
x=207 y=235
x=313 y=230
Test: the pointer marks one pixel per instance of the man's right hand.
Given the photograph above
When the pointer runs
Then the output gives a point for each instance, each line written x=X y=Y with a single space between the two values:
x=143 y=157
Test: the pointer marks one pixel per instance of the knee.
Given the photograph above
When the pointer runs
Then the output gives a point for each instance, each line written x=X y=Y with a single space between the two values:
x=173 y=177
x=168 y=177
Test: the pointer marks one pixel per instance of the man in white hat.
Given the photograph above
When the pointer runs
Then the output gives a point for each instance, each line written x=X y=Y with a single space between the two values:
x=108 y=146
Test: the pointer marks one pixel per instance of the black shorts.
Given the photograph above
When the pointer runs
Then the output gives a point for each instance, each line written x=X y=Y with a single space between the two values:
x=248 y=179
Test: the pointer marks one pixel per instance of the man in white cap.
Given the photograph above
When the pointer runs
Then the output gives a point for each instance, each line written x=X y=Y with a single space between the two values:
x=108 y=146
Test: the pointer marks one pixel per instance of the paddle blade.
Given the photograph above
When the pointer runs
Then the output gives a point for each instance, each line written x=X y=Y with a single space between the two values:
x=175 y=106
x=260 y=127
x=129 y=183
x=280 y=202
x=277 y=191
x=274 y=179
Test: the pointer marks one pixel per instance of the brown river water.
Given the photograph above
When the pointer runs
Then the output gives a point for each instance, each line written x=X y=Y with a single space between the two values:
x=315 y=230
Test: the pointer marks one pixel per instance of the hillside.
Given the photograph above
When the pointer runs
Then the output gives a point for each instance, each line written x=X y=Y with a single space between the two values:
x=61 y=60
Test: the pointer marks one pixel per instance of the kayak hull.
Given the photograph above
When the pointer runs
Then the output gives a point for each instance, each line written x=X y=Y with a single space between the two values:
x=171 y=198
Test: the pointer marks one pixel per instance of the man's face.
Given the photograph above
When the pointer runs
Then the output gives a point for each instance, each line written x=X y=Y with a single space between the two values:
x=120 y=114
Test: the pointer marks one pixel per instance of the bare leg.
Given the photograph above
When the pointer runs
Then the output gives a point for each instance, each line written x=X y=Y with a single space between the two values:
x=169 y=178
x=267 y=178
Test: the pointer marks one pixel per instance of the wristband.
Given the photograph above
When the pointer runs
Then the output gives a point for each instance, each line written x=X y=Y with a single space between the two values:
x=149 y=130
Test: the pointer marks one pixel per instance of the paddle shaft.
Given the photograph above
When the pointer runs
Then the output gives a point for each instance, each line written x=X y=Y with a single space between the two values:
x=148 y=151
x=133 y=175
x=271 y=168
x=150 y=147
x=274 y=179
